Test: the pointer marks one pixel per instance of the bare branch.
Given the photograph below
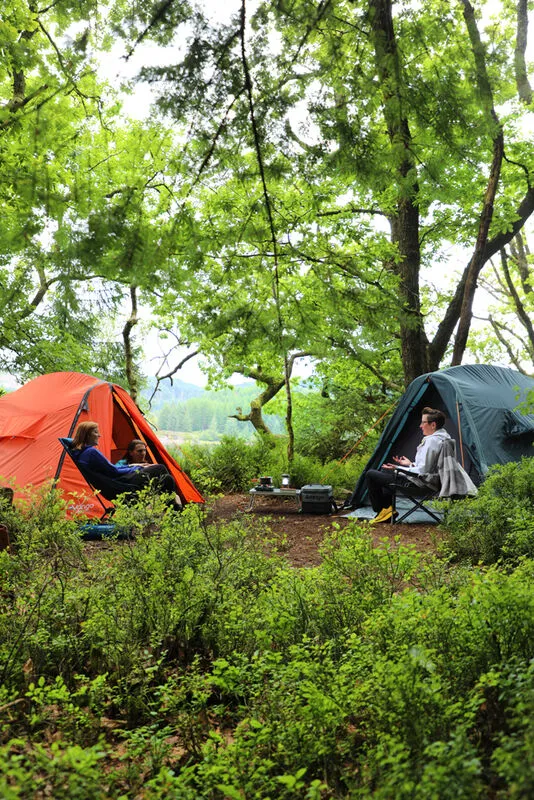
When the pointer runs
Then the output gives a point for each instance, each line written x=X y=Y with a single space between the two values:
x=169 y=375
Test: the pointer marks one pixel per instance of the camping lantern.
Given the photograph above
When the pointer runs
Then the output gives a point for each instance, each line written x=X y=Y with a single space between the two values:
x=285 y=481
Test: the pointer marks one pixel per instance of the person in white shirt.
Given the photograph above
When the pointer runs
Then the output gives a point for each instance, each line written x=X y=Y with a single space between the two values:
x=379 y=480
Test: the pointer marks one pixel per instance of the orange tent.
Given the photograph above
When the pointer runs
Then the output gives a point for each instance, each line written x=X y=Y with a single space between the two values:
x=33 y=417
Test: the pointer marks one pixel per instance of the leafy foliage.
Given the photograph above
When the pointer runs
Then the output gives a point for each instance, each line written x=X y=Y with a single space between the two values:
x=348 y=154
x=234 y=465
x=497 y=524
x=192 y=661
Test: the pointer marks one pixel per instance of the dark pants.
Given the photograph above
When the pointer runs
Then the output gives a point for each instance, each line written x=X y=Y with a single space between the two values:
x=158 y=474
x=380 y=495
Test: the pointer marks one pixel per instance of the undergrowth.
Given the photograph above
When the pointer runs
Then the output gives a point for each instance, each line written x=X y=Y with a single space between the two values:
x=234 y=465
x=193 y=662
x=498 y=524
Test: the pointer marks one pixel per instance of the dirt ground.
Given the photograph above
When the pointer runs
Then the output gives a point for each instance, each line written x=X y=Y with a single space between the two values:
x=304 y=533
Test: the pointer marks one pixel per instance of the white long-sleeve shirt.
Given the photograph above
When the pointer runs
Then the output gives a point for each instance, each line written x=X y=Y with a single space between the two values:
x=428 y=450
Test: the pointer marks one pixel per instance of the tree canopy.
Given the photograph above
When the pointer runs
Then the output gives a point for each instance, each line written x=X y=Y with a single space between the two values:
x=357 y=142
x=307 y=171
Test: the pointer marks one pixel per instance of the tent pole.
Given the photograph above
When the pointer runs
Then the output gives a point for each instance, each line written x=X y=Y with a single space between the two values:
x=460 y=432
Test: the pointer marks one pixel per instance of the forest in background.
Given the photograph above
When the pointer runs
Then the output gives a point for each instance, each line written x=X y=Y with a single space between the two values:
x=210 y=415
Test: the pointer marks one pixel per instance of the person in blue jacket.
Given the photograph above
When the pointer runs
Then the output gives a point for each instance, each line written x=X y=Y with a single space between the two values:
x=85 y=452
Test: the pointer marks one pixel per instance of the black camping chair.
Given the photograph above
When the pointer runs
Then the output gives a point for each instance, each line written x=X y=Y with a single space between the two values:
x=416 y=496
x=108 y=488
x=414 y=490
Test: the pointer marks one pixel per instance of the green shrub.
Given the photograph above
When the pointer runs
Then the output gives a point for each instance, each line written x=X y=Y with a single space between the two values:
x=510 y=697
x=234 y=465
x=499 y=522
x=230 y=466
x=194 y=662
x=59 y=770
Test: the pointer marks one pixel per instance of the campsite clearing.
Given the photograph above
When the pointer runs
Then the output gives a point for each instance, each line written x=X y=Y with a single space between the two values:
x=300 y=535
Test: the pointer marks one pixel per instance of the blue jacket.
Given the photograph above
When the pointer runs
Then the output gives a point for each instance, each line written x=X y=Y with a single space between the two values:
x=93 y=458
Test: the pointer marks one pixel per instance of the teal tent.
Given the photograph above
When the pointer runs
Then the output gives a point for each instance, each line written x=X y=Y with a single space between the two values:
x=481 y=404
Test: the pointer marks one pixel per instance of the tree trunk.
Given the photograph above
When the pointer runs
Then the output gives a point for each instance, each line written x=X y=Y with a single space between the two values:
x=289 y=412
x=405 y=223
x=131 y=373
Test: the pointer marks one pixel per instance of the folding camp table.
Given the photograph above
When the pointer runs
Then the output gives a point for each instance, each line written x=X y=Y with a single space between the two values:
x=274 y=493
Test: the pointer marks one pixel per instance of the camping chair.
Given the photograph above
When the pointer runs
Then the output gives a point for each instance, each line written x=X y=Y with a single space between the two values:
x=448 y=481
x=108 y=488
x=416 y=496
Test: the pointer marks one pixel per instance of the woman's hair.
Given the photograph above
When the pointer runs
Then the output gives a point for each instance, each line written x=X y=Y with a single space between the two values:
x=435 y=415
x=83 y=434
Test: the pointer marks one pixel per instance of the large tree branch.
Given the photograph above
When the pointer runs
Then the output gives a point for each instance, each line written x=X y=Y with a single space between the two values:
x=255 y=415
x=257 y=373
x=446 y=327
x=460 y=308
x=387 y=382
x=520 y=254
x=132 y=320
x=15 y=105
x=478 y=259
x=524 y=89
x=516 y=300
x=211 y=149
x=273 y=384
x=44 y=286
x=350 y=209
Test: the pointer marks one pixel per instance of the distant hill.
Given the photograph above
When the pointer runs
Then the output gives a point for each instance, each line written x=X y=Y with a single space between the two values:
x=181 y=391
x=186 y=408
x=178 y=392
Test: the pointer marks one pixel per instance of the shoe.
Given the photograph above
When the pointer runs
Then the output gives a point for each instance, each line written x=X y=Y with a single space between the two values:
x=388 y=515
x=383 y=515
